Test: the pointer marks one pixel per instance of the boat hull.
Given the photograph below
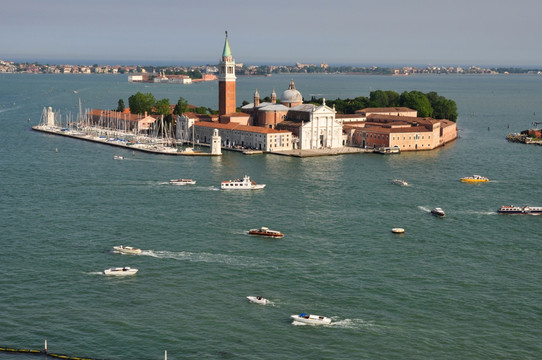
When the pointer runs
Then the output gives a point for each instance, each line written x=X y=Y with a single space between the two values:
x=258 y=300
x=267 y=233
x=311 y=319
x=126 y=271
x=127 y=250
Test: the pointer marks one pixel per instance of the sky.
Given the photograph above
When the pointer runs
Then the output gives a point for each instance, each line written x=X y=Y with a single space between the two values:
x=337 y=32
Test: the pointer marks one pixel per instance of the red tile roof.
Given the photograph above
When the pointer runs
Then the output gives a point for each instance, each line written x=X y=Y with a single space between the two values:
x=235 y=126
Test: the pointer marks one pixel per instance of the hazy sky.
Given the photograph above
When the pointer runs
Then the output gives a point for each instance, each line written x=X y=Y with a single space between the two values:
x=358 y=32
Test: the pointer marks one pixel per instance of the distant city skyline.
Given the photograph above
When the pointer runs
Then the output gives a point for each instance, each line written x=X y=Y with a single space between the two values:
x=345 y=32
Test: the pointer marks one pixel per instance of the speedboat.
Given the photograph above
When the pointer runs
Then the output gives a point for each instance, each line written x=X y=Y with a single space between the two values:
x=120 y=271
x=522 y=210
x=264 y=231
x=438 y=212
x=245 y=184
x=127 y=249
x=311 y=319
x=182 y=181
x=118 y=157
x=400 y=182
x=258 y=300
x=474 y=179
x=398 y=230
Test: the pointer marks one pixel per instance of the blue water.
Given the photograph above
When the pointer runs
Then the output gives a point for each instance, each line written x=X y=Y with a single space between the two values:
x=468 y=286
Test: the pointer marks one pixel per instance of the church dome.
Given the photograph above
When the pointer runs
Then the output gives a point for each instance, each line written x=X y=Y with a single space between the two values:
x=291 y=95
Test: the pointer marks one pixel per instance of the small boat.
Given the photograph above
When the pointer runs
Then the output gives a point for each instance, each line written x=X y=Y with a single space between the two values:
x=264 y=231
x=118 y=157
x=258 y=300
x=521 y=210
x=438 y=212
x=388 y=150
x=398 y=230
x=311 y=319
x=120 y=271
x=182 y=181
x=474 y=179
x=127 y=249
x=245 y=184
x=400 y=182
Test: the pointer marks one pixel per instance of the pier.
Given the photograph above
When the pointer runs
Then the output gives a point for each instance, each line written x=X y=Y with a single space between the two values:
x=148 y=146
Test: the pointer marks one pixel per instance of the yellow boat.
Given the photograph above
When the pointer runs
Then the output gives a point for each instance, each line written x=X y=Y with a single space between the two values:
x=475 y=179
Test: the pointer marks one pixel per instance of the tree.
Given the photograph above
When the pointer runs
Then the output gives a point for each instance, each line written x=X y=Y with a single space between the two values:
x=181 y=107
x=141 y=103
x=121 y=107
x=418 y=101
x=161 y=107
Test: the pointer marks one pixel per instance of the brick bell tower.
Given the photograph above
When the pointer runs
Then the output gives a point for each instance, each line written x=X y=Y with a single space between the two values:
x=226 y=81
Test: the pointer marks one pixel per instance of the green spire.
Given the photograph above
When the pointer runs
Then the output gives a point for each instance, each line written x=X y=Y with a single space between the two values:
x=227 y=50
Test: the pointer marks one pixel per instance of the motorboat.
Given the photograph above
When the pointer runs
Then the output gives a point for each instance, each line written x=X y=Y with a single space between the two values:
x=521 y=210
x=120 y=271
x=311 y=319
x=474 y=179
x=127 y=249
x=245 y=184
x=118 y=157
x=258 y=300
x=264 y=231
x=438 y=212
x=182 y=181
x=400 y=182
x=398 y=230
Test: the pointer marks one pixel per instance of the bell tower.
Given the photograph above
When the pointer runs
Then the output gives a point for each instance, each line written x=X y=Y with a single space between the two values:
x=226 y=81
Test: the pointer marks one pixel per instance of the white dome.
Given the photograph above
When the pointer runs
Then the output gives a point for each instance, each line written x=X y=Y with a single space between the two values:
x=291 y=95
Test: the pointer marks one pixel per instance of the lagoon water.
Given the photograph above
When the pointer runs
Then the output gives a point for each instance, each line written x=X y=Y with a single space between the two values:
x=468 y=286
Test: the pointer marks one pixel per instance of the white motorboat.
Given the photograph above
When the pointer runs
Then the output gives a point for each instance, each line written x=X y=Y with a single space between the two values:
x=311 y=319
x=398 y=230
x=258 y=300
x=438 y=212
x=118 y=157
x=245 y=184
x=120 y=271
x=400 y=182
x=127 y=249
x=182 y=181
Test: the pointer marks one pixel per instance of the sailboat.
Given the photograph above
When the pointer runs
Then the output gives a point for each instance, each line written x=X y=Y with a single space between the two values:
x=190 y=150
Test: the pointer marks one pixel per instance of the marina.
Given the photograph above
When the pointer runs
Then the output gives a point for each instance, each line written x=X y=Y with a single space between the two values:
x=460 y=284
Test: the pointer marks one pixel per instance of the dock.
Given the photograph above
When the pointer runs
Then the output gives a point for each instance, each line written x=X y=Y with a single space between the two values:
x=154 y=148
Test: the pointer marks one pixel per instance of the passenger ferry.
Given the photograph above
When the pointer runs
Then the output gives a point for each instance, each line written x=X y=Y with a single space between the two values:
x=264 y=231
x=474 y=179
x=522 y=210
x=245 y=184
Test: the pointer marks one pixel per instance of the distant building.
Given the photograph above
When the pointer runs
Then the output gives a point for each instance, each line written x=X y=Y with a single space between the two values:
x=120 y=120
x=407 y=133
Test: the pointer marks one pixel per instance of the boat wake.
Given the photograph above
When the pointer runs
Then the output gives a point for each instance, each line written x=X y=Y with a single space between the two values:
x=95 y=273
x=423 y=208
x=351 y=323
x=200 y=257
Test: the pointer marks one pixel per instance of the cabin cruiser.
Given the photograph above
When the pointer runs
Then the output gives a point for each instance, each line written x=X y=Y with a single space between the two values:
x=264 y=231
x=398 y=230
x=523 y=210
x=474 y=179
x=127 y=249
x=182 y=181
x=245 y=184
x=311 y=319
x=258 y=300
x=400 y=182
x=438 y=212
x=123 y=271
